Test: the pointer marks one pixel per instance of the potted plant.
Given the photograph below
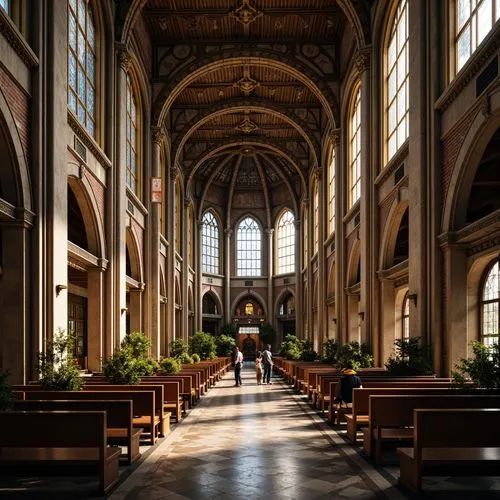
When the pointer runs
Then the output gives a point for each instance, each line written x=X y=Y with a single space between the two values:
x=291 y=347
x=169 y=366
x=203 y=344
x=230 y=330
x=225 y=345
x=57 y=367
x=178 y=347
x=410 y=357
x=308 y=353
x=355 y=353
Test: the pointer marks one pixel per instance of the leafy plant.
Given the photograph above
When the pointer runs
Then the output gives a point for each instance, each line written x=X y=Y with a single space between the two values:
x=195 y=358
x=225 y=345
x=308 y=353
x=483 y=370
x=185 y=359
x=169 y=366
x=122 y=368
x=291 y=347
x=203 y=344
x=57 y=367
x=355 y=353
x=178 y=347
x=410 y=358
x=138 y=346
x=229 y=330
x=330 y=351
x=267 y=334
x=6 y=396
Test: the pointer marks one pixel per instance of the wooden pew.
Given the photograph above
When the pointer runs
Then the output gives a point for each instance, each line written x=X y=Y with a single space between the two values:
x=119 y=419
x=360 y=403
x=37 y=437
x=467 y=441
x=391 y=417
x=143 y=404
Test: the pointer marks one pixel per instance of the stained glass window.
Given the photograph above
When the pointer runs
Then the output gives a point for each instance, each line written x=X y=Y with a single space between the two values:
x=397 y=82
x=331 y=193
x=5 y=4
x=490 y=302
x=210 y=244
x=248 y=248
x=355 y=150
x=132 y=139
x=406 y=318
x=286 y=243
x=474 y=19
x=82 y=64
x=316 y=217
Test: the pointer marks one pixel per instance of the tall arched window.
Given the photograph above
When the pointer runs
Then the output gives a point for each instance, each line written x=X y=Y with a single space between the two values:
x=210 y=244
x=5 y=4
x=248 y=248
x=405 y=318
x=286 y=243
x=397 y=72
x=355 y=150
x=331 y=193
x=473 y=20
x=490 y=305
x=82 y=64
x=132 y=139
x=316 y=217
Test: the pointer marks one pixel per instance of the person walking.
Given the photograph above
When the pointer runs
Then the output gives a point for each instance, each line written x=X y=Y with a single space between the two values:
x=238 y=363
x=267 y=361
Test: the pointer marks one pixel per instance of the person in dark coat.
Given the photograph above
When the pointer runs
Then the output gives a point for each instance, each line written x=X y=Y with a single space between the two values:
x=343 y=391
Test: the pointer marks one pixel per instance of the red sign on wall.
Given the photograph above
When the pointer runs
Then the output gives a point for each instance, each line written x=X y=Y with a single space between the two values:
x=156 y=190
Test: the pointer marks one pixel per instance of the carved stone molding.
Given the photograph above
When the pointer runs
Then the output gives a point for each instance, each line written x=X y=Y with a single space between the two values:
x=124 y=57
x=10 y=32
x=173 y=173
x=334 y=136
x=485 y=245
x=246 y=14
x=247 y=126
x=157 y=135
x=363 y=61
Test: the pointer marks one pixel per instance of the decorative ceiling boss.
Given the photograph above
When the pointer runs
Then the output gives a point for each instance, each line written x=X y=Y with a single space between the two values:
x=246 y=13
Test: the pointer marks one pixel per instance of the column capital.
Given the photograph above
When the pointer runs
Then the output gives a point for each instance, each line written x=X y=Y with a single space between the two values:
x=200 y=223
x=334 y=136
x=173 y=173
x=296 y=223
x=317 y=172
x=124 y=57
x=270 y=231
x=363 y=59
x=157 y=135
x=228 y=231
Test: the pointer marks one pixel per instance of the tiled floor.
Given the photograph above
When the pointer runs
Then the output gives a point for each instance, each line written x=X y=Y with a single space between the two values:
x=253 y=442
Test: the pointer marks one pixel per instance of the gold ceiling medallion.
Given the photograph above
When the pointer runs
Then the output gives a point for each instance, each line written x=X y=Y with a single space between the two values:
x=247 y=126
x=246 y=13
x=246 y=84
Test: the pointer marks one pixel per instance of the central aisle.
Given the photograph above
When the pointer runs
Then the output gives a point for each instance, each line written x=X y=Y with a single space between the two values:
x=250 y=442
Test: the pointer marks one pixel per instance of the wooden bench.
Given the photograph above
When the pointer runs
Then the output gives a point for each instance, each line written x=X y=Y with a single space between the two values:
x=143 y=404
x=391 y=417
x=61 y=437
x=119 y=419
x=466 y=441
x=360 y=403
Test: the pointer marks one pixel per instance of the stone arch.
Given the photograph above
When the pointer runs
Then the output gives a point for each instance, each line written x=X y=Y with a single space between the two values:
x=88 y=205
x=163 y=283
x=16 y=175
x=256 y=57
x=128 y=12
x=206 y=155
x=331 y=288
x=471 y=151
x=391 y=228
x=217 y=299
x=252 y=294
x=252 y=216
x=358 y=17
x=353 y=264
x=242 y=105
x=134 y=253
x=279 y=299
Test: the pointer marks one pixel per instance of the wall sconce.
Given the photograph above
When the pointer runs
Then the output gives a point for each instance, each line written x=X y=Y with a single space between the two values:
x=413 y=298
x=361 y=316
x=60 y=288
x=124 y=310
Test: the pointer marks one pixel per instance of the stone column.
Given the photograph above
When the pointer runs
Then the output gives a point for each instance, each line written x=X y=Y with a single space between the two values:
x=95 y=313
x=387 y=320
x=199 y=276
x=363 y=67
x=120 y=207
x=227 y=274
x=298 y=279
x=171 y=260
x=135 y=308
x=157 y=137
x=322 y=271
x=15 y=317
x=185 y=268
x=340 y=264
x=270 y=270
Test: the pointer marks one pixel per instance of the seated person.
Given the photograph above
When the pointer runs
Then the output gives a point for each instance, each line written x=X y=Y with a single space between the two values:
x=343 y=389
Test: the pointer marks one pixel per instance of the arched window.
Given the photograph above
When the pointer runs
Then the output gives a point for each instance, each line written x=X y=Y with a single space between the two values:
x=473 y=20
x=316 y=217
x=490 y=305
x=397 y=72
x=132 y=139
x=331 y=193
x=355 y=150
x=248 y=248
x=82 y=64
x=286 y=243
x=405 y=317
x=210 y=244
x=190 y=236
x=5 y=4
